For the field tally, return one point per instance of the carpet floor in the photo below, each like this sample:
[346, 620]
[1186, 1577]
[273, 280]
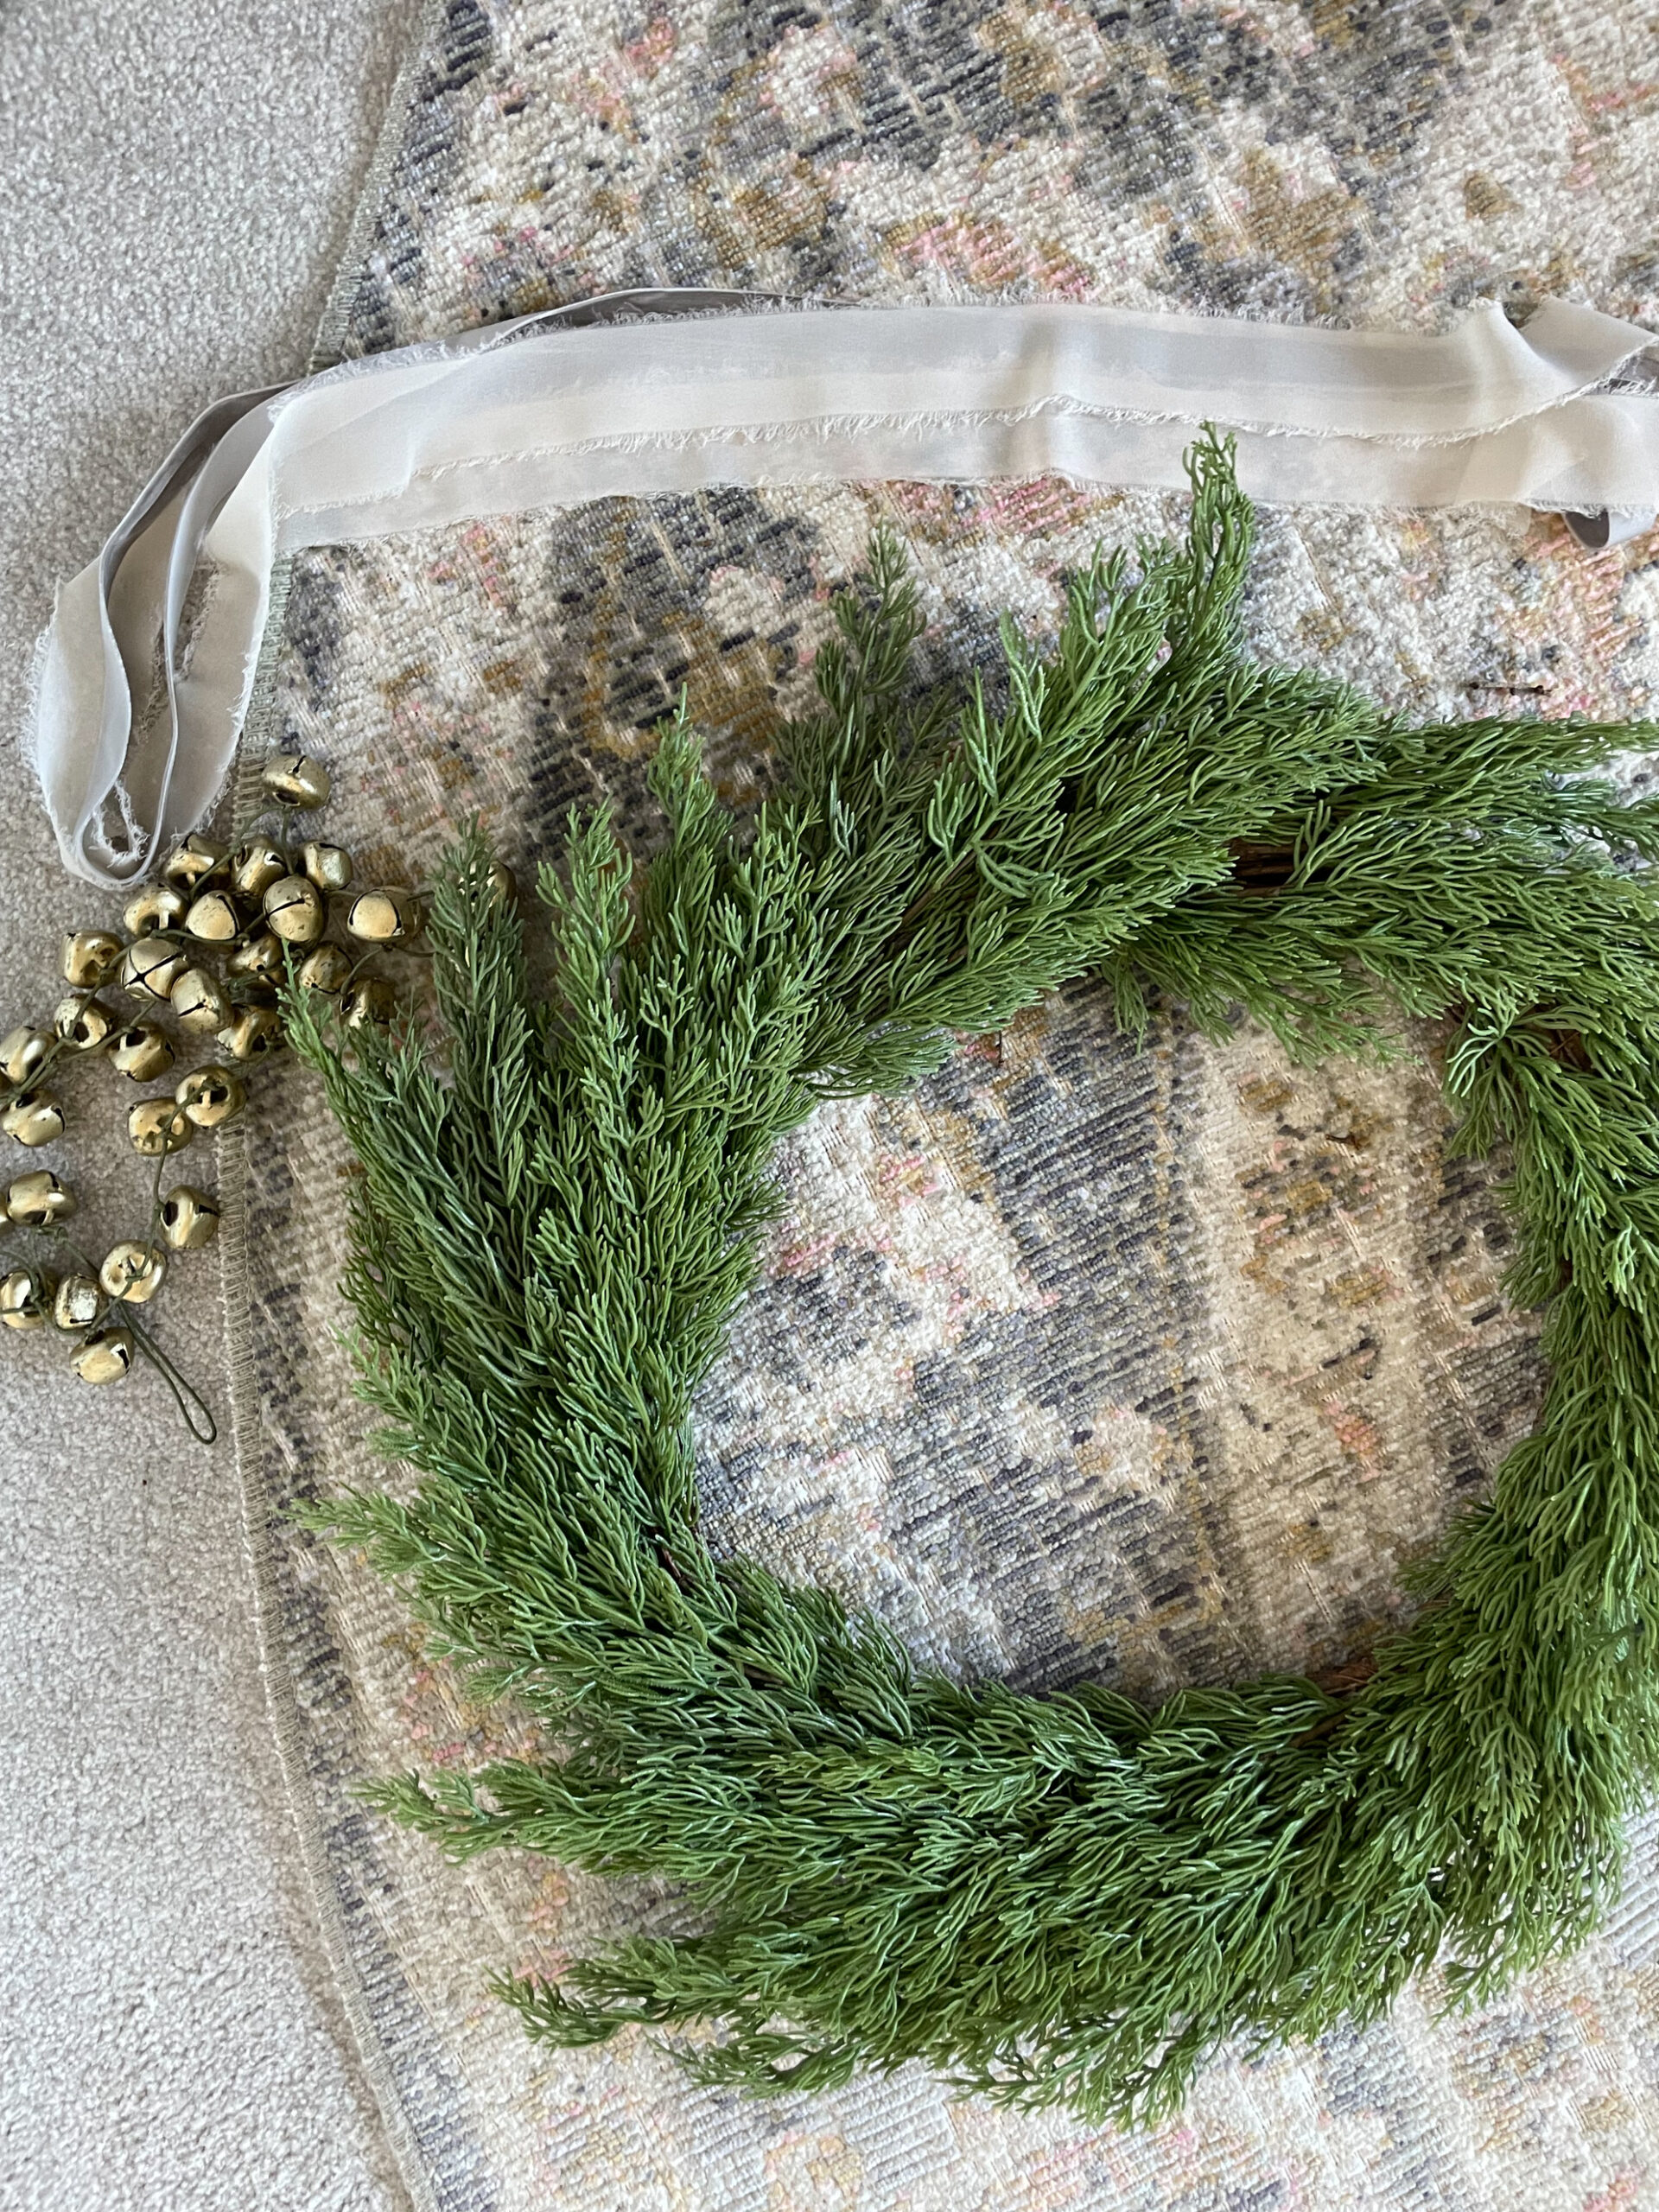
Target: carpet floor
[177, 189]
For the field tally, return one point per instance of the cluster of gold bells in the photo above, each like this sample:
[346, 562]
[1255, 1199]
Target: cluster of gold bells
[208, 944]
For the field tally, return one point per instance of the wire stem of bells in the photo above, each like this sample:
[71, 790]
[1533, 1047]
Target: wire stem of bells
[187, 1398]
[193, 1409]
[184, 1392]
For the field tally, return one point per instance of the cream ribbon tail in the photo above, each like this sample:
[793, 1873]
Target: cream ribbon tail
[145, 674]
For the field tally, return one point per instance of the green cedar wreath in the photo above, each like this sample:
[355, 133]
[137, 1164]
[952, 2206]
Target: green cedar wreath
[1045, 1897]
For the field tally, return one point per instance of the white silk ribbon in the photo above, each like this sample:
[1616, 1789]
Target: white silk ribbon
[137, 710]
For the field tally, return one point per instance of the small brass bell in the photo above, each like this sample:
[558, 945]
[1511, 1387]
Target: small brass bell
[153, 906]
[90, 957]
[106, 1356]
[142, 1051]
[293, 780]
[383, 917]
[22, 1052]
[189, 1217]
[504, 884]
[156, 1126]
[213, 919]
[212, 1096]
[259, 959]
[252, 1031]
[133, 1272]
[38, 1198]
[330, 867]
[33, 1117]
[26, 1297]
[191, 865]
[257, 866]
[151, 968]
[84, 1024]
[369, 1003]
[295, 910]
[199, 1003]
[328, 969]
[78, 1303]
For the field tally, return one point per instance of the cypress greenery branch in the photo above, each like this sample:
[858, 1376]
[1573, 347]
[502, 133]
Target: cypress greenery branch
[1063, 1898]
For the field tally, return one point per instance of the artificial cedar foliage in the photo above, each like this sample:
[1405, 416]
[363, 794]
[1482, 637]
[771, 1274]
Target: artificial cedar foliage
[1051, 1897]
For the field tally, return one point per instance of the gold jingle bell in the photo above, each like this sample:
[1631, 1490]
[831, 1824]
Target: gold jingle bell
[213, 919]
[369, 1003]
[105, 1357]
[26, 1297]
[191, 865]
[38, 1198]
[22, 1051]
[328, 969]
[259, 959]
[252, 1031]
[33, 1117]
[504, 884]
[212, 1096]
[133, 1272]
[78, 1303]
[330, 867]
[384, 916]
[83, 1024]
[153, 906]
[90, 957]
[295, 910]
[151, 968]
[189, 1217]
[199, 1003]
[293, 779]
[142, 1051]
[255, 867]
[156, 1126]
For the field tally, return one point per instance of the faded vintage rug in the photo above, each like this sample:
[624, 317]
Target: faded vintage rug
[1150, 1367]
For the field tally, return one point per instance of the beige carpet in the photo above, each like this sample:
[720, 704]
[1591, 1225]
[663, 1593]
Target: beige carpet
[177, 183]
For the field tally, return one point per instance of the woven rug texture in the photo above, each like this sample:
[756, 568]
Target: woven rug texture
[1083, 1362]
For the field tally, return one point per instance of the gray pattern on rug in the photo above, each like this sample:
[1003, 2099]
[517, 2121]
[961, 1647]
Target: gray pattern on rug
[1144, 1365]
